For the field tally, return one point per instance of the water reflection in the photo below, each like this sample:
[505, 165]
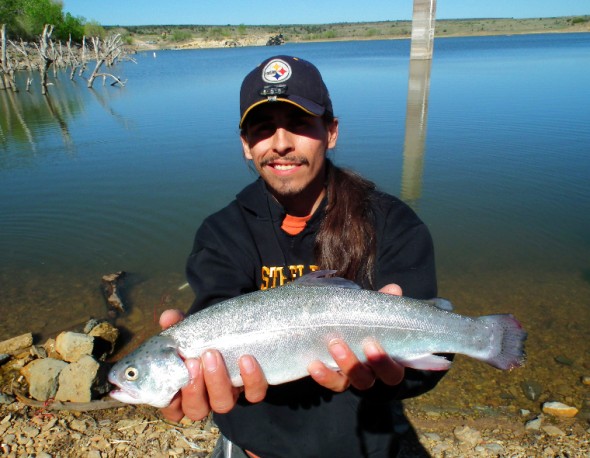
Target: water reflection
[27, 115]
[416, 117]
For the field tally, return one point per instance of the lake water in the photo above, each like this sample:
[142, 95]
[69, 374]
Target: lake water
[490, 144]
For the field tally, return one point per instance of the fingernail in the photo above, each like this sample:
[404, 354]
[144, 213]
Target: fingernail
[372, 348]
[316, 369]
[337, 349]
[194, 367]
[210, 361]
[247, 364]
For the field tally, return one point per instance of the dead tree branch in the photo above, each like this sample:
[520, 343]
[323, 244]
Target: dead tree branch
[106, 52]
[46, 55]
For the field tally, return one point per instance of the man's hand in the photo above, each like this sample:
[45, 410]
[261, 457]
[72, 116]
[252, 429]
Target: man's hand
[210, 387]
[352, 372]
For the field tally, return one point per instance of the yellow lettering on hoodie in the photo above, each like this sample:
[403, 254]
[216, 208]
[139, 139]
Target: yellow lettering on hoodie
[273, 276]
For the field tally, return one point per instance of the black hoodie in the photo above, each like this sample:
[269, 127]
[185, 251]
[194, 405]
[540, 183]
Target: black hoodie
[241, 249]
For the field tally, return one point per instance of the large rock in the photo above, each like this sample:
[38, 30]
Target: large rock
[105, 338]
[73, 346]
[16, 344]
[559, 409]
[42, 377]
[77, 379]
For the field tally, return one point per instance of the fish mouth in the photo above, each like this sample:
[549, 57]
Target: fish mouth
[124, 396]
[118, 391]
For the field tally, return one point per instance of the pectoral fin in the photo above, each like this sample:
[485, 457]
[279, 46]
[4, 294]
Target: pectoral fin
[426, 362]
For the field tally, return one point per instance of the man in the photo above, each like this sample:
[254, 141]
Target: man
[303, 214]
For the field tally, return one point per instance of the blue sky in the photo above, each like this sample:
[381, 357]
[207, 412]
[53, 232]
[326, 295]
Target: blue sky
[253, 12]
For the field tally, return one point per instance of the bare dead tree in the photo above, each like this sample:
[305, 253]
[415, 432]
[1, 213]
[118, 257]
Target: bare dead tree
[73, 61]
[22, 49]
[106, 52]
[7, 68]
[46, 55]
[59, 55]
[83, 58]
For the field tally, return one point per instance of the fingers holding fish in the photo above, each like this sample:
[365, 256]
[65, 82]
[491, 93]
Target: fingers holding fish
[392, 288]
[328, 378]
[222, 394]
[170, 317]
[194, 397]
[255, 384]
[351, 370]
[191, 401]
[383, 366]
[173, 412]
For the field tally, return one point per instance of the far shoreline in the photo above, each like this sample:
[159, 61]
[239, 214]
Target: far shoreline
[214, 44]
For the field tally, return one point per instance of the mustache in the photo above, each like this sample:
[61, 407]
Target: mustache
[294, 159]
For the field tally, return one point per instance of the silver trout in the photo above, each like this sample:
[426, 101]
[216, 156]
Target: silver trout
[288, 327]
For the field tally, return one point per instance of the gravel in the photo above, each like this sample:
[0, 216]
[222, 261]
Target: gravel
[138, 431]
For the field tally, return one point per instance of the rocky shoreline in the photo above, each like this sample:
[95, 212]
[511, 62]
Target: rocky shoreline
[51, 413]
[138, 431]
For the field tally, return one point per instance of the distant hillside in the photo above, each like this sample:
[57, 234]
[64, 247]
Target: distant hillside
[195, 36]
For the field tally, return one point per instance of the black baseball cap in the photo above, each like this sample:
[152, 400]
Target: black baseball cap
[285, 79]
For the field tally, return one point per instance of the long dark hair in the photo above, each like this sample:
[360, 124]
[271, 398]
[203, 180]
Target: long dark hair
[346, 240]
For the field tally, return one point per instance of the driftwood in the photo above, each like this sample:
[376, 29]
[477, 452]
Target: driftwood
[110, 289]
[71, 406]
[16, 344]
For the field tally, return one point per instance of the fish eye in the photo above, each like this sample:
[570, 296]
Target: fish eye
[131, 373]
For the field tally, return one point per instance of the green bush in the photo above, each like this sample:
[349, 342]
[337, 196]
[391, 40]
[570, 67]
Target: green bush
[181, 35]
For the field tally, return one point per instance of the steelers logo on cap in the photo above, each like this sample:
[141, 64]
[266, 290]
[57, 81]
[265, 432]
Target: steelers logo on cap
[276, 71]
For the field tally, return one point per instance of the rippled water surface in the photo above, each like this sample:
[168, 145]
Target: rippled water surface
[490, 144]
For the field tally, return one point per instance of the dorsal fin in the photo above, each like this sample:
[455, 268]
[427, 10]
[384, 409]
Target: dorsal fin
[323, 278]
[440, 303]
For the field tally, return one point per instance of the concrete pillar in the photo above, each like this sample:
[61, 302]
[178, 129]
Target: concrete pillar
[416, 117]
[423, 29]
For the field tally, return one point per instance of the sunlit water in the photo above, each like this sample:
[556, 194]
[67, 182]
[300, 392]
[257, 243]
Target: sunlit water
[96, 181]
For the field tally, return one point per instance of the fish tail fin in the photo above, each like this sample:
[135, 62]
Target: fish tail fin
[508, 338]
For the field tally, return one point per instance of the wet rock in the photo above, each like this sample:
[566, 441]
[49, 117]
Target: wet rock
[16, 344]
[38, 351]
[467, 436]
[559, 409]
[534, 424]
[42, 377]
[531, 389]
[49, 347]
[106, 336]
[564, 361]
[77, 379]
[73, 346]
[553, 430]
[584, 413]
[90, 325]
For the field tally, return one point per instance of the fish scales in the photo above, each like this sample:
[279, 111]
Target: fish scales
[287, 328]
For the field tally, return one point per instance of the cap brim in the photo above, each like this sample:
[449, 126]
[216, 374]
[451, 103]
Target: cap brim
[306, 105]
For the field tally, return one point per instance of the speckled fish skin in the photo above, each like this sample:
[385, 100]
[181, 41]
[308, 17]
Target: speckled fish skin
[288, 327]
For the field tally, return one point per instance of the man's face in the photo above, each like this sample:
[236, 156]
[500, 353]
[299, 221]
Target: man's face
[288, 148]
